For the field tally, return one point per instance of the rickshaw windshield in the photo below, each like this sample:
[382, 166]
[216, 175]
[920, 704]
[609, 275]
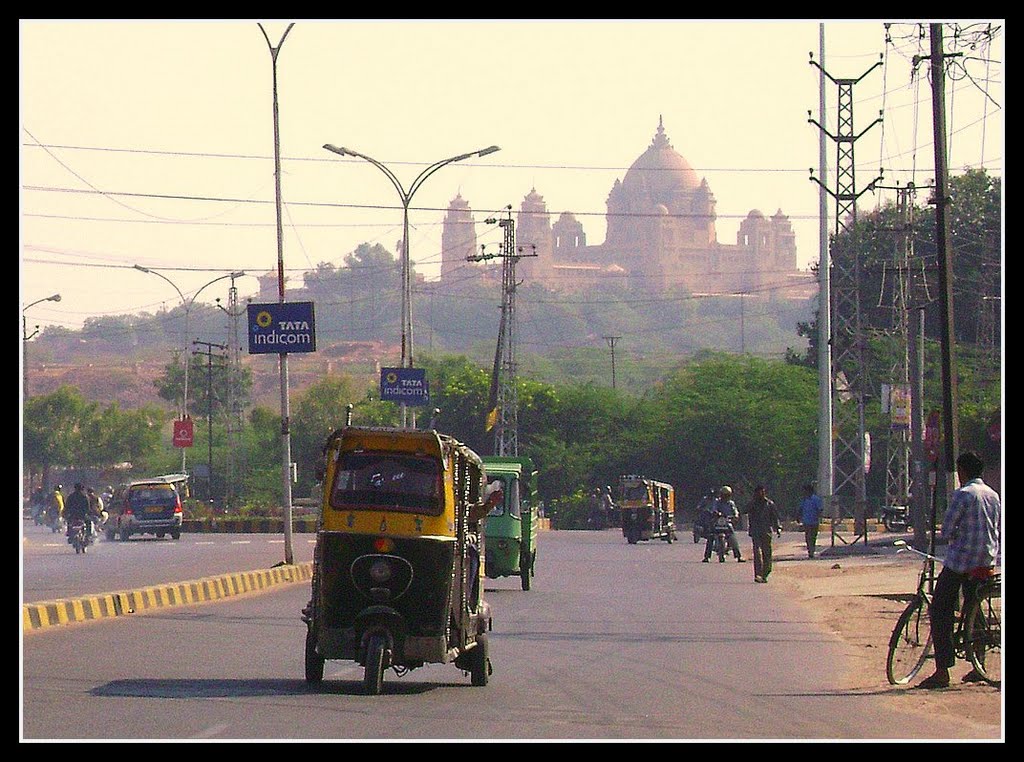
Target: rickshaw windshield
[388, 480]
[635, 491]
[510, 504]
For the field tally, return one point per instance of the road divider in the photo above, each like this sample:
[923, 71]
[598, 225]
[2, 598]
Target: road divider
[44, 614]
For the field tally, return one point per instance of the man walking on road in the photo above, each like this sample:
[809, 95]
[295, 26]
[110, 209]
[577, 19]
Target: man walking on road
[810, 517]
[763, 520]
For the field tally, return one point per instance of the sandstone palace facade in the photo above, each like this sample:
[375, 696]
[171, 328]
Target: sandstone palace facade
[660, 237]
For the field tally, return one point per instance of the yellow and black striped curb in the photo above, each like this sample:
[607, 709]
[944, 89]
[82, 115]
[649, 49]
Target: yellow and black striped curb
[42, 614]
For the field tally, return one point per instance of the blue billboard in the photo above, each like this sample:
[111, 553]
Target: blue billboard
[408, 385]
[281, 327]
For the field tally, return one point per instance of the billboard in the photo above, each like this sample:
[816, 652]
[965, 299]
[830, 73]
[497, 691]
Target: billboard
[408, 385]
[281, 327]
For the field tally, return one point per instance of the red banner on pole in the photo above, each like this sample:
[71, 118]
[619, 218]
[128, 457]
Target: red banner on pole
[183, 433]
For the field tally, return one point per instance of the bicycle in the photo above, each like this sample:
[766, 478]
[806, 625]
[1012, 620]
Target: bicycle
[977, 635]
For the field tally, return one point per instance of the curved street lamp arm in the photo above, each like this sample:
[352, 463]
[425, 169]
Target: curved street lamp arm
[390, 175]
[220, 277]
[140, 268]
[444, 162]
[54, 298]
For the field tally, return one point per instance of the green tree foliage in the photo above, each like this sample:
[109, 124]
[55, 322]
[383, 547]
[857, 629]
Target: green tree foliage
[52, 429]
[741, 421]
[208, 392]
[63, 429]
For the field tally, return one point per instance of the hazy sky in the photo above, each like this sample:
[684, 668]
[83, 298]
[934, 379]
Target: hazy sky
[151, 142]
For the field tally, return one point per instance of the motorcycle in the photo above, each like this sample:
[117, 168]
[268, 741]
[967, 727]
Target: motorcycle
[896, 518]
[79, 536]
[722, 529]
[55, 521]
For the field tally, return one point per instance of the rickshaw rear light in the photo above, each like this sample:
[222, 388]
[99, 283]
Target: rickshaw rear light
[383, 545]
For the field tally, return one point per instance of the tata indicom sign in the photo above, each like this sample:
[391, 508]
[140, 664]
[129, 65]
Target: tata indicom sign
[408, 385]
[281, 327]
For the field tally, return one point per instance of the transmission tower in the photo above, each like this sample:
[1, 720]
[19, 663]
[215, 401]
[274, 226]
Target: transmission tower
[897, 473]
[233, 424]
[848, 339]
[506, 434]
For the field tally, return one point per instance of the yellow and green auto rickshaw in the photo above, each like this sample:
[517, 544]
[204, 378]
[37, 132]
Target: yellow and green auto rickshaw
[647, 507]
[510, 529]
[396, 566]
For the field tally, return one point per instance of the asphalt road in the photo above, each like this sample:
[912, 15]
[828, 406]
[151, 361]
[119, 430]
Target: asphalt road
[613, 642]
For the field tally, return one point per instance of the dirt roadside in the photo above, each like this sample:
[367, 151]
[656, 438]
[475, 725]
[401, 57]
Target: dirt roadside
[858, 593]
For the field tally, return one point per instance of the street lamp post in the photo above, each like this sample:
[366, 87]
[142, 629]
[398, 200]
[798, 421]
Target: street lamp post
[187, 304]
[25, 337]
[406, 197]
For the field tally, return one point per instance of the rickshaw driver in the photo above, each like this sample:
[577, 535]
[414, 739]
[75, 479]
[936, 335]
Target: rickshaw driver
[494, 495]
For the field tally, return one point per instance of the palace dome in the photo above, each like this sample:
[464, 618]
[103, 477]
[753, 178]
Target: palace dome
[659, 172]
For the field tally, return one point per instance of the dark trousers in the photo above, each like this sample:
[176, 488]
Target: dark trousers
[943, 613]
[762, 555]
[811, 538]
[734, 545]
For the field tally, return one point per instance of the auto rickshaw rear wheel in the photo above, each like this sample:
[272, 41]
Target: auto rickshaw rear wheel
[373, 676]
[314, 661]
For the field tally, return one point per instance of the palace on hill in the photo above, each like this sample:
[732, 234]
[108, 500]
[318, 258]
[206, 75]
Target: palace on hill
[660, 237]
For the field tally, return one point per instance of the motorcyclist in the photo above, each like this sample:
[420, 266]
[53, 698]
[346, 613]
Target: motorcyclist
[77, 509]
[96, 508]
[55, 507]
[705, 517]
[724, 506]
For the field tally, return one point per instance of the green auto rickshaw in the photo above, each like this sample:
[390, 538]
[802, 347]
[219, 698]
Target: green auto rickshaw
[510, 529]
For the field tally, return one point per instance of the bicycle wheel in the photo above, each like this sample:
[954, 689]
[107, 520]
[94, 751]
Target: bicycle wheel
[910, 644]
[983, 633]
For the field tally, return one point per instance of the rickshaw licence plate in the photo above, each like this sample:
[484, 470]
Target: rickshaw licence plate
[154, 508]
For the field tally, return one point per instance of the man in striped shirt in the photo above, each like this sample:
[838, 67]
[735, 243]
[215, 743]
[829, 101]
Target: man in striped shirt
[972, 528]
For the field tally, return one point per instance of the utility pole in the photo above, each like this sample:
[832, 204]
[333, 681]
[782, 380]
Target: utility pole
[849, 369]
[208, 354]
[945, 257]
[506, 435]
[611, 345]
[824, 308]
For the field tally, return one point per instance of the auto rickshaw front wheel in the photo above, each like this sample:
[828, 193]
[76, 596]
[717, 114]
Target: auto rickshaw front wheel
[314, 661]
[373, 675]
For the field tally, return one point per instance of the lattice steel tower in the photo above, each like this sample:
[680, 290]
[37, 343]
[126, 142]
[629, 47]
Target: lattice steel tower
[506, 433]
[848, 339]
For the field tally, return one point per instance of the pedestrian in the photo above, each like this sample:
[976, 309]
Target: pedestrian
[811, 508]
[972, 528]
[763, 520]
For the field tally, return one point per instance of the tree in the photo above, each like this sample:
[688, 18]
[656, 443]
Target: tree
[321, 410]
[226, 380]
[52, 429]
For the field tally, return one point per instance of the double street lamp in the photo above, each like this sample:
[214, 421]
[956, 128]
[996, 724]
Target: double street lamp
[187, 304]
[406, 197]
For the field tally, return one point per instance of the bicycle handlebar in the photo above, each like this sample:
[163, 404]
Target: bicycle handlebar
[901, 546]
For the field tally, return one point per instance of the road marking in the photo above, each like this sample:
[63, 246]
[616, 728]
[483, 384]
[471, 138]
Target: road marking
[241, 542]
[214, 730]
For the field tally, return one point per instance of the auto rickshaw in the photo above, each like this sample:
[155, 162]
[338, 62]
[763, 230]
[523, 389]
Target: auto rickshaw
[510, 528]
[647, 508]
[396, 567]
